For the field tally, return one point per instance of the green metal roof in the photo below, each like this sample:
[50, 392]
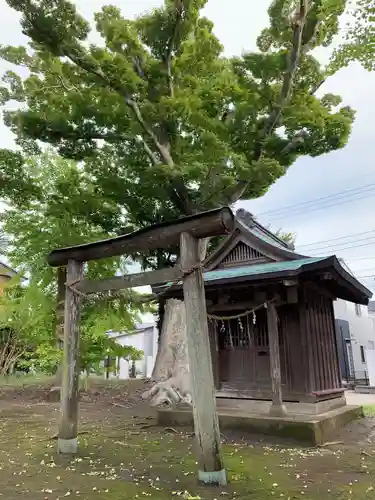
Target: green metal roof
[351, 289]
[257, 269]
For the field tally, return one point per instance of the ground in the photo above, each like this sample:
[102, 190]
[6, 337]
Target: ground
[124, 455]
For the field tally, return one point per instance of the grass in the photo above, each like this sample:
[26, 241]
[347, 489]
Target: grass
[45, 381]
[123, 455]
[134, 459]
[369, 410]
[24, 380]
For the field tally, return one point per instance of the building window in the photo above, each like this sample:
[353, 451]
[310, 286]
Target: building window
[358, 309]
[363, 359]
[371, 344]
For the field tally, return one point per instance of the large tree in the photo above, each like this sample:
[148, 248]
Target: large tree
[29, 322]
[159, 115]
[162, 123]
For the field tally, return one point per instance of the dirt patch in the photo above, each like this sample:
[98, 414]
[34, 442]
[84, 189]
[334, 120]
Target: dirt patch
[124, 455]
[121, 393]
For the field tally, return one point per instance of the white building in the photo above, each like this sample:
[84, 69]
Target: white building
[144, 338]
[356, 339]
[359, 338]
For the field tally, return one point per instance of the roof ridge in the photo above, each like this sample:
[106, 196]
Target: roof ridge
[245, 217]
[273, 235]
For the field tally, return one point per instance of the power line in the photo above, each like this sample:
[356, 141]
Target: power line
[331, 197]
[361, 258]
[339, 245]
[368, 270]
[349, 248]
[323, 207]
[336, 239]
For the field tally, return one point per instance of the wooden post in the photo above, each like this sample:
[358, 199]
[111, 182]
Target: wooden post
[60, 305]
[67, 439]
[277, 408]
[59, 318]
[206, 424]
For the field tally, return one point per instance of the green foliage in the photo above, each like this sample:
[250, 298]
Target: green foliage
[289, 238]
[46, 359]
[57, 219]
[166, 125]
[26, 316]
[64, 214]
[14, 184]
[28, 312]
[359, 40]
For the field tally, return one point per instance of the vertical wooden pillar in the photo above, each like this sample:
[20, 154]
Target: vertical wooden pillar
[212, 334]
[59, 318]
[67, 439]
[277, 408]
[206, 424]
[60, 305]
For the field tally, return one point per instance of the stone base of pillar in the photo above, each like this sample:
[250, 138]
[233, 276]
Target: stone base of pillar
[67, 446]
[277, 411]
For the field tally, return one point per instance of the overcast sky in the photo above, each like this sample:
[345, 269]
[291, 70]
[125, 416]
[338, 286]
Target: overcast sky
[237, 24]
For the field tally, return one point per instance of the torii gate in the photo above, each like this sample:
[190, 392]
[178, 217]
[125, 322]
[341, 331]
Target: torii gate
[185, 232]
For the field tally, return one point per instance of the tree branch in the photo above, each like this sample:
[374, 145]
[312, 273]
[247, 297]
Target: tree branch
[316, 87]
[78, 56]
[163, 151]
[289, 75]
[180, 193]
[286, 88]
[299, 138]
[170, 45]
[90, 68]
[138, 68]
[154, 159]
[311, 28]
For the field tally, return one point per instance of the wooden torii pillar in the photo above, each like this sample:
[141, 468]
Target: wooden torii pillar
[186, 233]
[277, 409]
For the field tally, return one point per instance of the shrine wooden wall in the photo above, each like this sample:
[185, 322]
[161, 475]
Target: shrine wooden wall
[241, 358]
[308, 355]
[317, 321]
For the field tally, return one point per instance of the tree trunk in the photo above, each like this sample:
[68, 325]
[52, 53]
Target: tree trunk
[171, 370]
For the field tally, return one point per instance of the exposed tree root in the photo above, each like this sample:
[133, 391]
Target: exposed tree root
[171, 371]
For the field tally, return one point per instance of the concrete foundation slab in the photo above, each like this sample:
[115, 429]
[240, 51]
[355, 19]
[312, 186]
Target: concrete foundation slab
[260, 407]
[365, 389]
[311, 430]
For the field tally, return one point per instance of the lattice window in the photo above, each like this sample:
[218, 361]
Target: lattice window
[241, 253]
[245, 332]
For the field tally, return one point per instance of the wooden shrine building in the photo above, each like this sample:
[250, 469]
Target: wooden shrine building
[260, 323]
[253, 267]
